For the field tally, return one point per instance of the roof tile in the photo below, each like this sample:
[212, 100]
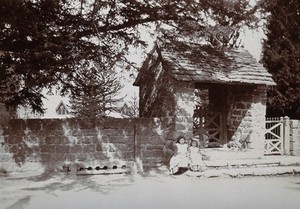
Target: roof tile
[202, 63]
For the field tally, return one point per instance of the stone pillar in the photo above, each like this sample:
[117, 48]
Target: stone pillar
[257, 111]
[246, 117]
[295, 137]
[184, 109]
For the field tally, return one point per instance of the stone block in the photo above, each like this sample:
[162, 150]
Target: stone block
[264, 171]
[152, 161]
[59, 157]
[89, 132]
[14, 148]
[76, 148]
[152, 147]
[127, 155]
[122, 139]
[124, 147]
[296, 170]
[51, 140]
[87, 140]
[99, 147]
[152, 153]
[285, 170]
[295, 124]
[34, 124]
[15, 139]
[180, 127]
[52, 124]
[113, 123]
[211, 173]
[81, 157]
[84, 124]
[100, 156]
[48, 148]
[62, 149]
[232, 172]
[15, 124]
[36, 149]
[45, 157]
[112, 132]
[88, 148]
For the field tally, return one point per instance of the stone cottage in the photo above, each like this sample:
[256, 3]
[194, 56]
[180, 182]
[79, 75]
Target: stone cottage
[216, 95]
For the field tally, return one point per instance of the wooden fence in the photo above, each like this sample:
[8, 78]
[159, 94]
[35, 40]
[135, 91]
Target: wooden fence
[277, 136]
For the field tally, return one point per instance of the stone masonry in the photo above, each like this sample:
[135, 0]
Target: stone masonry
[49, 144]
[295, 137]
[184, 109]
[246, 116]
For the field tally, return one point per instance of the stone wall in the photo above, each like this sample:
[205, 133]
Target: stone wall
[295, 137]
[246, 116]
[184, 109]
[49, 144]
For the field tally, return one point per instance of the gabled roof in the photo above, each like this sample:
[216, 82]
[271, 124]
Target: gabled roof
[61, 103]
[203, 63]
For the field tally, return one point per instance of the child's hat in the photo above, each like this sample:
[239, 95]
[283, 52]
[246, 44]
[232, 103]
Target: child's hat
[195, 139]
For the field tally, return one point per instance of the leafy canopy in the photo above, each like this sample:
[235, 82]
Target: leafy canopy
[43, 43]
[281, 56]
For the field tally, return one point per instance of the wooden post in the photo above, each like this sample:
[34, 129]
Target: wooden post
[281, 133]
[286, 135]
[137, 151]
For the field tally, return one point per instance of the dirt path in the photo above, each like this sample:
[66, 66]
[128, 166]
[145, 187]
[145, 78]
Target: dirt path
[151, 191]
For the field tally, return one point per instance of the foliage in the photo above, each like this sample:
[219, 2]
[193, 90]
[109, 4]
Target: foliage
[96, 95]
[131, 109]
[281, 56]
[5, 115]
[43, 43]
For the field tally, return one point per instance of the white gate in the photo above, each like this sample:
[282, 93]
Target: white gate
[277, 139]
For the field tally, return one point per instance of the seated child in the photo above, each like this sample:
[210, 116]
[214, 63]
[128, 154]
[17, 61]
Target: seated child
[180, 158]
[195, 157]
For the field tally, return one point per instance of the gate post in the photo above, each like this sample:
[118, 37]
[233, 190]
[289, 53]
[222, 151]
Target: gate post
[286, 135]
[137, 149]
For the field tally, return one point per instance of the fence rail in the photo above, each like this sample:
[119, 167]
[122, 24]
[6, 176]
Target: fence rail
[277, 140]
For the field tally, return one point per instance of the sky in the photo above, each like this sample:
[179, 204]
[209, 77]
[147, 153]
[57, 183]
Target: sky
[252, 41]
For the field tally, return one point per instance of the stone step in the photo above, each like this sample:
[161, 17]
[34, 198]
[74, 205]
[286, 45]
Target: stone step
[267, 162]
[242, 172]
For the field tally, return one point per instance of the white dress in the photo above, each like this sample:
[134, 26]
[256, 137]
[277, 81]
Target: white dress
[195, 158]
[180, 159]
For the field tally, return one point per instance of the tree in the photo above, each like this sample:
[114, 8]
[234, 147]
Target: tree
[97, 94]
[281, 56]
[131, 109]
[44, 42]
[5, 115]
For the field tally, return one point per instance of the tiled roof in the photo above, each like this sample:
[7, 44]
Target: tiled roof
[202, 63]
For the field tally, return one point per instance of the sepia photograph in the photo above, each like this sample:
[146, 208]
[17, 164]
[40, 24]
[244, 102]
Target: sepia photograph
[149, 104]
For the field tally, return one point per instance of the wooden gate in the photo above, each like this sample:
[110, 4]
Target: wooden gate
[277, 141]
[208, 127]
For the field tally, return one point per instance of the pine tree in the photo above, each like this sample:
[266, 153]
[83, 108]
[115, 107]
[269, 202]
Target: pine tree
[97, 95]
[281, 56]
[131, 109]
